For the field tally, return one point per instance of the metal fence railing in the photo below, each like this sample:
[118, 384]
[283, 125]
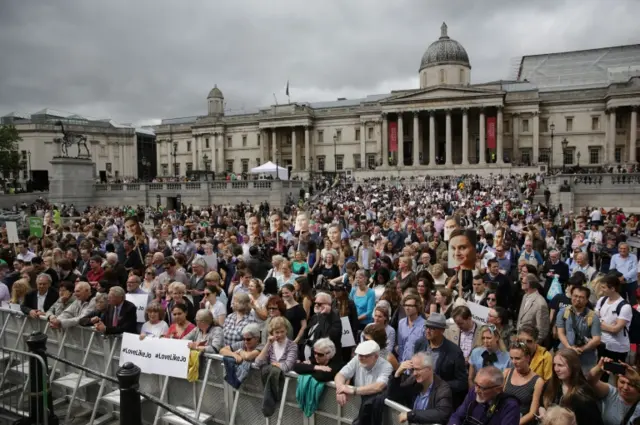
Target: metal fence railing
[85, 371]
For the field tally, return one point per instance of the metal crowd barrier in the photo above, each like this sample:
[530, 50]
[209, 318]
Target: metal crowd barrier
[209, 400]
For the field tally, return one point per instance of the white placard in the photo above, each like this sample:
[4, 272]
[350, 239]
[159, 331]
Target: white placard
[160, 356]
[12, 232]
[15, 307]
[140, 301]
[348, 339]
[479, 313]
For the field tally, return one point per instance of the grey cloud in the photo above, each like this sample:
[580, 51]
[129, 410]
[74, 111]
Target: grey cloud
[151, 59]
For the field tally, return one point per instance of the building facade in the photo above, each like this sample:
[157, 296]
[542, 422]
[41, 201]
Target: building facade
[112, 146]
[573, 108]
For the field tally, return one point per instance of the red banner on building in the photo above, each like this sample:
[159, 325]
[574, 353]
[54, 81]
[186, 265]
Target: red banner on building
[393, 136]
[491, 132]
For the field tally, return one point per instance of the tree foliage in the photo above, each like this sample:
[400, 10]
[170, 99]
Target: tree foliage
[10, 161]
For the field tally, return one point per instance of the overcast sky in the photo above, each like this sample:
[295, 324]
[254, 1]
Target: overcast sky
[139, 61]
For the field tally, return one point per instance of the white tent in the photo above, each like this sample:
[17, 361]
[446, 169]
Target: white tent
[271, 169]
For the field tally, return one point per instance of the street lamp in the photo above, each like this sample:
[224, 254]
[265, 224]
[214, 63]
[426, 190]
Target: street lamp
[206, 161]
[550, 158]
[564, 144]
[175, 159]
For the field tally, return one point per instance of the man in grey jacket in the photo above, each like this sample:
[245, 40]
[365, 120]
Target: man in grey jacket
[81, 307]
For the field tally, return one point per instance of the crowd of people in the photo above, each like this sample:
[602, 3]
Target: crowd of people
[370, 285]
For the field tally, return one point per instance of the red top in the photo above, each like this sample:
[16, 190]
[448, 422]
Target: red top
[95, 277]
[172, 332]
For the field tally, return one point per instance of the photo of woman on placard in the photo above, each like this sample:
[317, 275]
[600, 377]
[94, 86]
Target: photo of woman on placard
[462, 256]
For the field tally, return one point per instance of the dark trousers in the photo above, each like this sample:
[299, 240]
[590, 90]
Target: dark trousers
[371, 410]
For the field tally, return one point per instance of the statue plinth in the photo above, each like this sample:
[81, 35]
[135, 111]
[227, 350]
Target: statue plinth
[72, 181]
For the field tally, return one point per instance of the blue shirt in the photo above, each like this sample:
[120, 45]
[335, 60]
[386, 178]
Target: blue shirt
[422, 401]
[475, 359]
[627, 266]
[364, 304]
[407, 337]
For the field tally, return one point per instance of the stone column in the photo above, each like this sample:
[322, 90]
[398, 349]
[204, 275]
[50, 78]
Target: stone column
[499, 130]
[222, 146]
[633, 134]
[432, 138]
[196, 139]
[273, 146]
[400, 140]
[212, 153]
[536, 137]
[416, 138]
[448, 140]
[294, 150]
[515, 154]
[483, 133]
[465, 136]
[363, 145]
[121, 165]
[385, 140]
[307, 150]
[611, 148]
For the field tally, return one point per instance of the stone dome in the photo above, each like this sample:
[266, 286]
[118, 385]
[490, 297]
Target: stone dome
[444, 51]
[215, 93]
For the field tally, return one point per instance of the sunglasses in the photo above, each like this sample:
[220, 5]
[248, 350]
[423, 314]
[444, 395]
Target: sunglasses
[317, 353]
[491, 298]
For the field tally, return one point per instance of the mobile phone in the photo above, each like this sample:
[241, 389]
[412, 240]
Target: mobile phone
[615, 368]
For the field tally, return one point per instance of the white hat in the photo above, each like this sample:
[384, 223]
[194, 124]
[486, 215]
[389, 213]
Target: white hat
[367, 347]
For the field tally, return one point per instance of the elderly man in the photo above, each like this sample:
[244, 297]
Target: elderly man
[81, 307]
[118, 269]
[533, 309]
[582, 266]
[37, 302]
[133, 285]
[486, 403]
[369, 374]
[158, 263]
[426, 393]
[121, 314]
[554, 267]
[627, 264]
[325, 323]
[196, 282]
[240, 355]
[447, 357]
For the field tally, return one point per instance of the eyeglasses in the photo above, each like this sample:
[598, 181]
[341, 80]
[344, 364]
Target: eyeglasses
[319, 354]
[491, 298]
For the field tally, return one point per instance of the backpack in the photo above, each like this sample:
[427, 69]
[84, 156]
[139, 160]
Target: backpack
[589, 317]
[634, 326]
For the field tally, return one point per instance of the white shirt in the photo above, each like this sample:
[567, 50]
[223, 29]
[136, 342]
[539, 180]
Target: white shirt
[595, 215]
[27, 257]
[619, 342]
[41, 299]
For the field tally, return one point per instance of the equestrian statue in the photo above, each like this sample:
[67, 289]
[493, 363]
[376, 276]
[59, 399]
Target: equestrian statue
[70, 138]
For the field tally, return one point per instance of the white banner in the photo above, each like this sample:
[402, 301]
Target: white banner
[479, 313]
[160, 356]
[348, 340]
[140, 301]
[12, 232]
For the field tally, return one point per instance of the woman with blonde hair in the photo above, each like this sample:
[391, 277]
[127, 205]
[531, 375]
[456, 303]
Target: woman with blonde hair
[557, 415]
[489, 351]
[213, 278]
[155, 326]
[19, 290]
[177, 291]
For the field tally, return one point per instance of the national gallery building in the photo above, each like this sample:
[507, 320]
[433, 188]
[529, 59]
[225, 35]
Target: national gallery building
[572, 108]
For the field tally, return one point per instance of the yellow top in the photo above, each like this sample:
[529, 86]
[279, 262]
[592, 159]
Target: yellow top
[542, 363]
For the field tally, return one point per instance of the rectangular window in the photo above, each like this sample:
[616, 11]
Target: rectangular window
[188, 145]
[25, 171]
[526, 156]
[618, 155]
[357, 134]
[229, 141]
[244, 141]
[594, 155]
[569, 124]
[107, 166]
[189, 167]
[245, 165]
[230, 166]
[525, 126]
[24, 155]
[320, 136]
[165, 169]
[176, 169]
[339, 162]
[206, 142]
[544, 157]
[338, 135]
[544, 125]
[257, 162]
[370, 136]
[507, 126]
[371, 161]
[321, 160]
[568, 156]
[356, 160]
[595, 123]
[258, 140]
